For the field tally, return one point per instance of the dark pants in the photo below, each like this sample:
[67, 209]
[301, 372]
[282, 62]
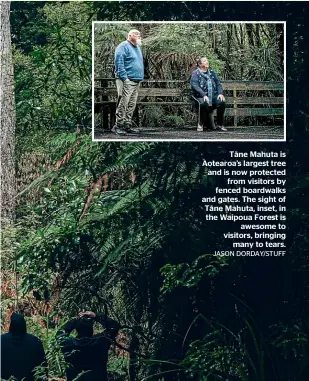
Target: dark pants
[205, 117]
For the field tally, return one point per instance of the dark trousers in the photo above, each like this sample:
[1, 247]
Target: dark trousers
[205, 117]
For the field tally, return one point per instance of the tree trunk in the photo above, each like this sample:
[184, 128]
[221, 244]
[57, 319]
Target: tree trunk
[134, 345]
[7, 118]
[249, 29]
[280, 42]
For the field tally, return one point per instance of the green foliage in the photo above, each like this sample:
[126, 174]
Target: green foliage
[154, 116]
[235, 51]
[190, 275]
[147, 233]
[136, 243]
[56, 363]
[53, 81]
[215, 358]
[118, 367]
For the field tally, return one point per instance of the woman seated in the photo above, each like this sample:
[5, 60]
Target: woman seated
[208, 96]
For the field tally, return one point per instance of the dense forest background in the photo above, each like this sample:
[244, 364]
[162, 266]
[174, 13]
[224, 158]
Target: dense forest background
[236, 51]
[120, 227]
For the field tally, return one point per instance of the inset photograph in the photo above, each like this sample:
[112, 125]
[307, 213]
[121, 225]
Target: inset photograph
[178, 81]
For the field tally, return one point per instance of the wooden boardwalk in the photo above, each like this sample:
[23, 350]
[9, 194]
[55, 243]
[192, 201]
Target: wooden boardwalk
[190, 133]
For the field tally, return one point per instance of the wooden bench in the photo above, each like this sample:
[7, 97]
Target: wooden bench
[243, 98]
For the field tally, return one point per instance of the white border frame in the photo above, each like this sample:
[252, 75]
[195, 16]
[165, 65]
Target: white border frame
[189, 140]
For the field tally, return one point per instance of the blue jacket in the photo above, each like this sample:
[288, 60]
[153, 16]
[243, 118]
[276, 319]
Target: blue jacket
[199, 84]
[129, 62]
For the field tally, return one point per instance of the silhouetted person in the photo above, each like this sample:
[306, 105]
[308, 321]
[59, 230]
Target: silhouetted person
[87, 352]
[20, 351]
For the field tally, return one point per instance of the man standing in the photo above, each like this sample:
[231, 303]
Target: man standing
[129, 72]
[208, 94]
[21, 352]
[87, 354]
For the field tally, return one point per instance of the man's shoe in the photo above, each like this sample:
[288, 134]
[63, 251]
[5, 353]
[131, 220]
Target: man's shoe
[130, 130]
[221, 128]
[118, 130]
[199, 128]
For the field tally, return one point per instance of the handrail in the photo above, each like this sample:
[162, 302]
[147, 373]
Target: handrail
[186, 81]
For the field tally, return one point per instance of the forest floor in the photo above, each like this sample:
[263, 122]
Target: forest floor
[239, 133]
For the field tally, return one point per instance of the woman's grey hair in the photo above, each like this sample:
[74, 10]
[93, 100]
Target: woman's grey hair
[199, 61]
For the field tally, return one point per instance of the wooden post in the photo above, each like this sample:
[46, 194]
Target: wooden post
[235, 106]
[101, 109]
[112, 109]
[104, 83]
[136, 115]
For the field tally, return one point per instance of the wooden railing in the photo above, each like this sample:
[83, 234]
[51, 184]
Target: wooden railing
[243, 99]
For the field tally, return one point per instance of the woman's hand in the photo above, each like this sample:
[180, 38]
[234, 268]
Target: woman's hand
[206, 99]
